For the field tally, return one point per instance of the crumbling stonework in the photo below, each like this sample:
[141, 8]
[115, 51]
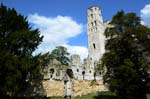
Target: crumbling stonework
[79, 87]
[53, 88]
[96, 42]
[82, 74]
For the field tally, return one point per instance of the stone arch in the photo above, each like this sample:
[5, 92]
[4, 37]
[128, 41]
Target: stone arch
[69, 72]
[52, 70]
[83, 74]
[77, 70]
[68, 83]
[90, 71]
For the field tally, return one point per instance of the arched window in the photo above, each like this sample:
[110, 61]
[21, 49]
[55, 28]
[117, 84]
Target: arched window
[95, 22]
[52, 71]
[77, 70]
[91, 15]
[70, 73]
[90, 71]
[92, 24]
[83, 73]
[51, 76]
[94, 46]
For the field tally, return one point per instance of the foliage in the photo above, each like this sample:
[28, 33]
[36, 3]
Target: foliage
[18, 68]
[127, 56]
[61, 54]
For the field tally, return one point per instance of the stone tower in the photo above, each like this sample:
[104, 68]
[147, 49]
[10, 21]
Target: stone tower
[95, 28]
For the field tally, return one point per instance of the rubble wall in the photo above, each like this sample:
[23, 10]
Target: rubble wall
[79, 87]
[53, 88]
[84, 87]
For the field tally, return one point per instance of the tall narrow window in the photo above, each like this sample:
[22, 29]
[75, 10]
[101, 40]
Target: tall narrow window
[92, 16]
[94, 46]
[95, 22]
[92, 24]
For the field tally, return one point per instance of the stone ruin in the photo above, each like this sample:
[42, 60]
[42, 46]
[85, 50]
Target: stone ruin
[76, 69]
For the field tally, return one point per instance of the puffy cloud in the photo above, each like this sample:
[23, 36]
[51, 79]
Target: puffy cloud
[57, 29]
[145, 15]
[80, 50]
[56, 32]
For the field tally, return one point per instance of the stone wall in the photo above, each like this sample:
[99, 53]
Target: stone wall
[85, 87]
[82, 87]
[53, 88]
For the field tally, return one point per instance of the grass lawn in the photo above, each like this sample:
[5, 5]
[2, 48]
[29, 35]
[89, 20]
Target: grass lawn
[148, 96]
[94, 96]
[82, 97]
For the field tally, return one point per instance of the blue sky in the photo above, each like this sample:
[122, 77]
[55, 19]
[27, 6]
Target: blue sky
[63, 22]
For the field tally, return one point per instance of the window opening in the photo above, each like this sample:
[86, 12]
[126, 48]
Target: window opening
[92, 24]
[95, 22]
[91, 15]
[90, 71]
[94, 46]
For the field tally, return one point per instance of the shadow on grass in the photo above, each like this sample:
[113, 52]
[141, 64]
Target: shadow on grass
[106, 95]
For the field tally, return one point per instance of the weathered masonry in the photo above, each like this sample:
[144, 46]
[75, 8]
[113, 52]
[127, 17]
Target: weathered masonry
[82, 71]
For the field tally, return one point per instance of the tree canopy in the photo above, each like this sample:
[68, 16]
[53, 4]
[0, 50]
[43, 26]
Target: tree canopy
[18, 67]
[127, 56]
[61, 54]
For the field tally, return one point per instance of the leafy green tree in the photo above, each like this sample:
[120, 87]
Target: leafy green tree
[18, 40]
[60, 54]
[127, 56]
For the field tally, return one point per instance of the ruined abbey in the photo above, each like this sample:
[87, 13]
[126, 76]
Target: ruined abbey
[86, 70]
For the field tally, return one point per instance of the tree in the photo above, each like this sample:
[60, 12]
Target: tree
[127, 56]
[61, 55]
[18, 67]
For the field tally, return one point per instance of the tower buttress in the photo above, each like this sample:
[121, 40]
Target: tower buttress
[95, 28]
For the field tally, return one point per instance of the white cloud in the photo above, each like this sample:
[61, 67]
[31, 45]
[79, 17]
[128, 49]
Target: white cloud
[145, 15]
[56, 32]
[80, 50]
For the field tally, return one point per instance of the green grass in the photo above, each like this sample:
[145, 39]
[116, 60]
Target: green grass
[148, 96]
[101, 95]
[90, 96]
[94, 96]
[82, 97]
